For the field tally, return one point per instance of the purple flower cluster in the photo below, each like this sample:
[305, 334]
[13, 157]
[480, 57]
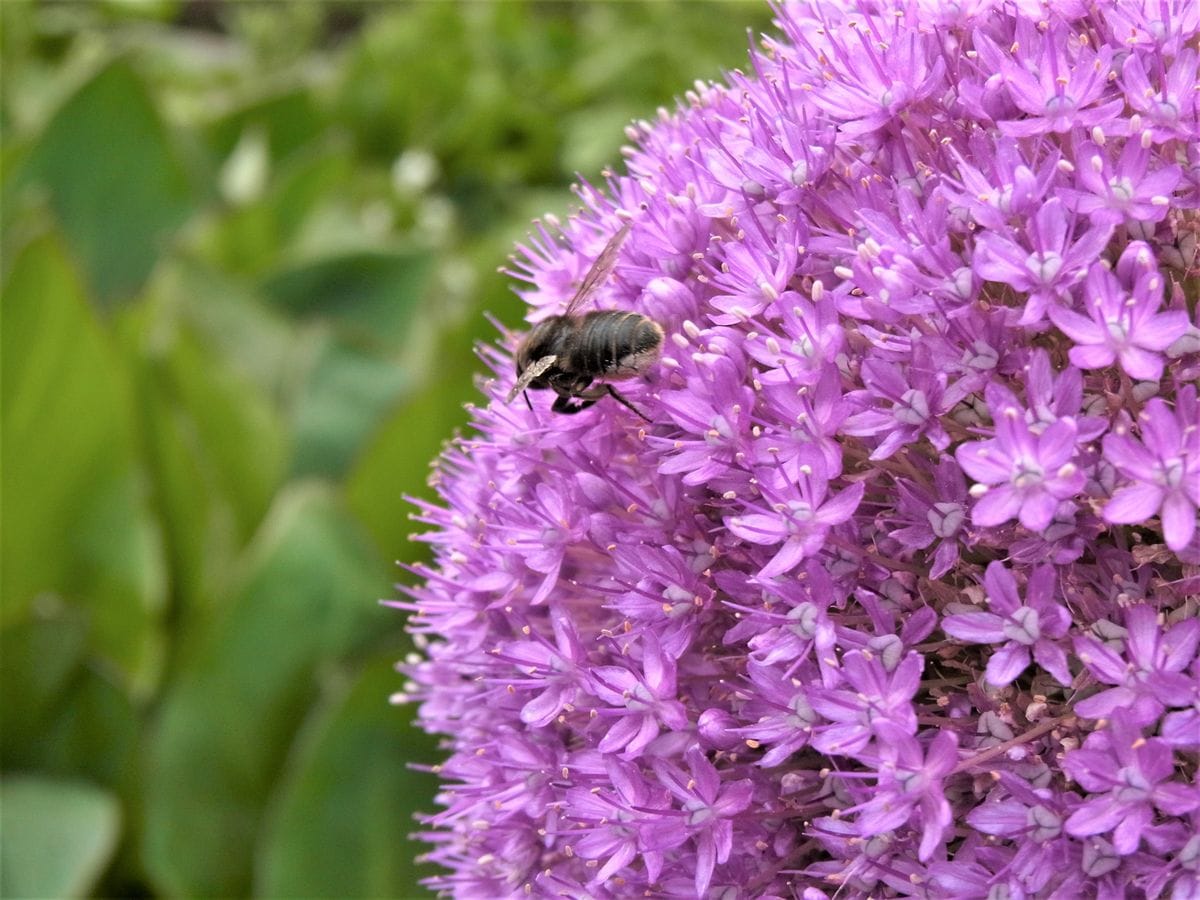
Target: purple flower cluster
[897, 594]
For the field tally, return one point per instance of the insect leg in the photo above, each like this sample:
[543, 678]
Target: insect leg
[571, 389]
[616, 396]
[565, 403]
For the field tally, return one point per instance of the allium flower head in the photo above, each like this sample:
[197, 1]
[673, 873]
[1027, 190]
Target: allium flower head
[894, 593]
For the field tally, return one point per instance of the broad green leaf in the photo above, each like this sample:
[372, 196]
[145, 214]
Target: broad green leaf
[76, 518]
[251, 238]
[371, 295]
[56, 837]
[59, 714]
[199, 524]
[38, 657]
[228, 415]
[288, 119]
[241, 240]
[594, 135]
[304, 182]
[225, 729]
[348, 392]
[339, 818]
[212, 441]
[114, 180]
[117, 544]
[93, 734]
[396, 463]
[385, 105]
[227, 317]
[63, 406]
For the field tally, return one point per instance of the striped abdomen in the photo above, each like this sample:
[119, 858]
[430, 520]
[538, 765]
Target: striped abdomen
[615, 344]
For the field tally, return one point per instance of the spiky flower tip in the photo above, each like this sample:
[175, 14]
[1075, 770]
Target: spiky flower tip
[896, 595]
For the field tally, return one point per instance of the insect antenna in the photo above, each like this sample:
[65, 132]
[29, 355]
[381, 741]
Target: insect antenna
[533, 371]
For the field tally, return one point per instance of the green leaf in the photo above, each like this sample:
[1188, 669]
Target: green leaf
[371, 295]
[250, 238]
[387, 105]
[69, 476]
[59, 714]
[227, 414]
[114, 179]
[116, 543]
[347, 394]
[226, 316]
[304, 182]
[62, 408]
[56, 837]
[213, 442]
[396, 462]
[306, 598]
[288, 119]
[38, 657]
[350, 797]
[93, 735]
[199, 525]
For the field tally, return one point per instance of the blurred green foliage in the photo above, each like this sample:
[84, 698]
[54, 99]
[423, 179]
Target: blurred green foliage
[246, 250]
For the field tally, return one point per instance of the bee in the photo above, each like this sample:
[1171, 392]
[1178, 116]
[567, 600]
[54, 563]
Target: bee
[570, 352]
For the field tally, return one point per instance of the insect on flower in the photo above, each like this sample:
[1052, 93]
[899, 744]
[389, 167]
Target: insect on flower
[569, 352]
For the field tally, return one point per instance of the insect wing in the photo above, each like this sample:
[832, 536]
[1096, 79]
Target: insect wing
[600, 270]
